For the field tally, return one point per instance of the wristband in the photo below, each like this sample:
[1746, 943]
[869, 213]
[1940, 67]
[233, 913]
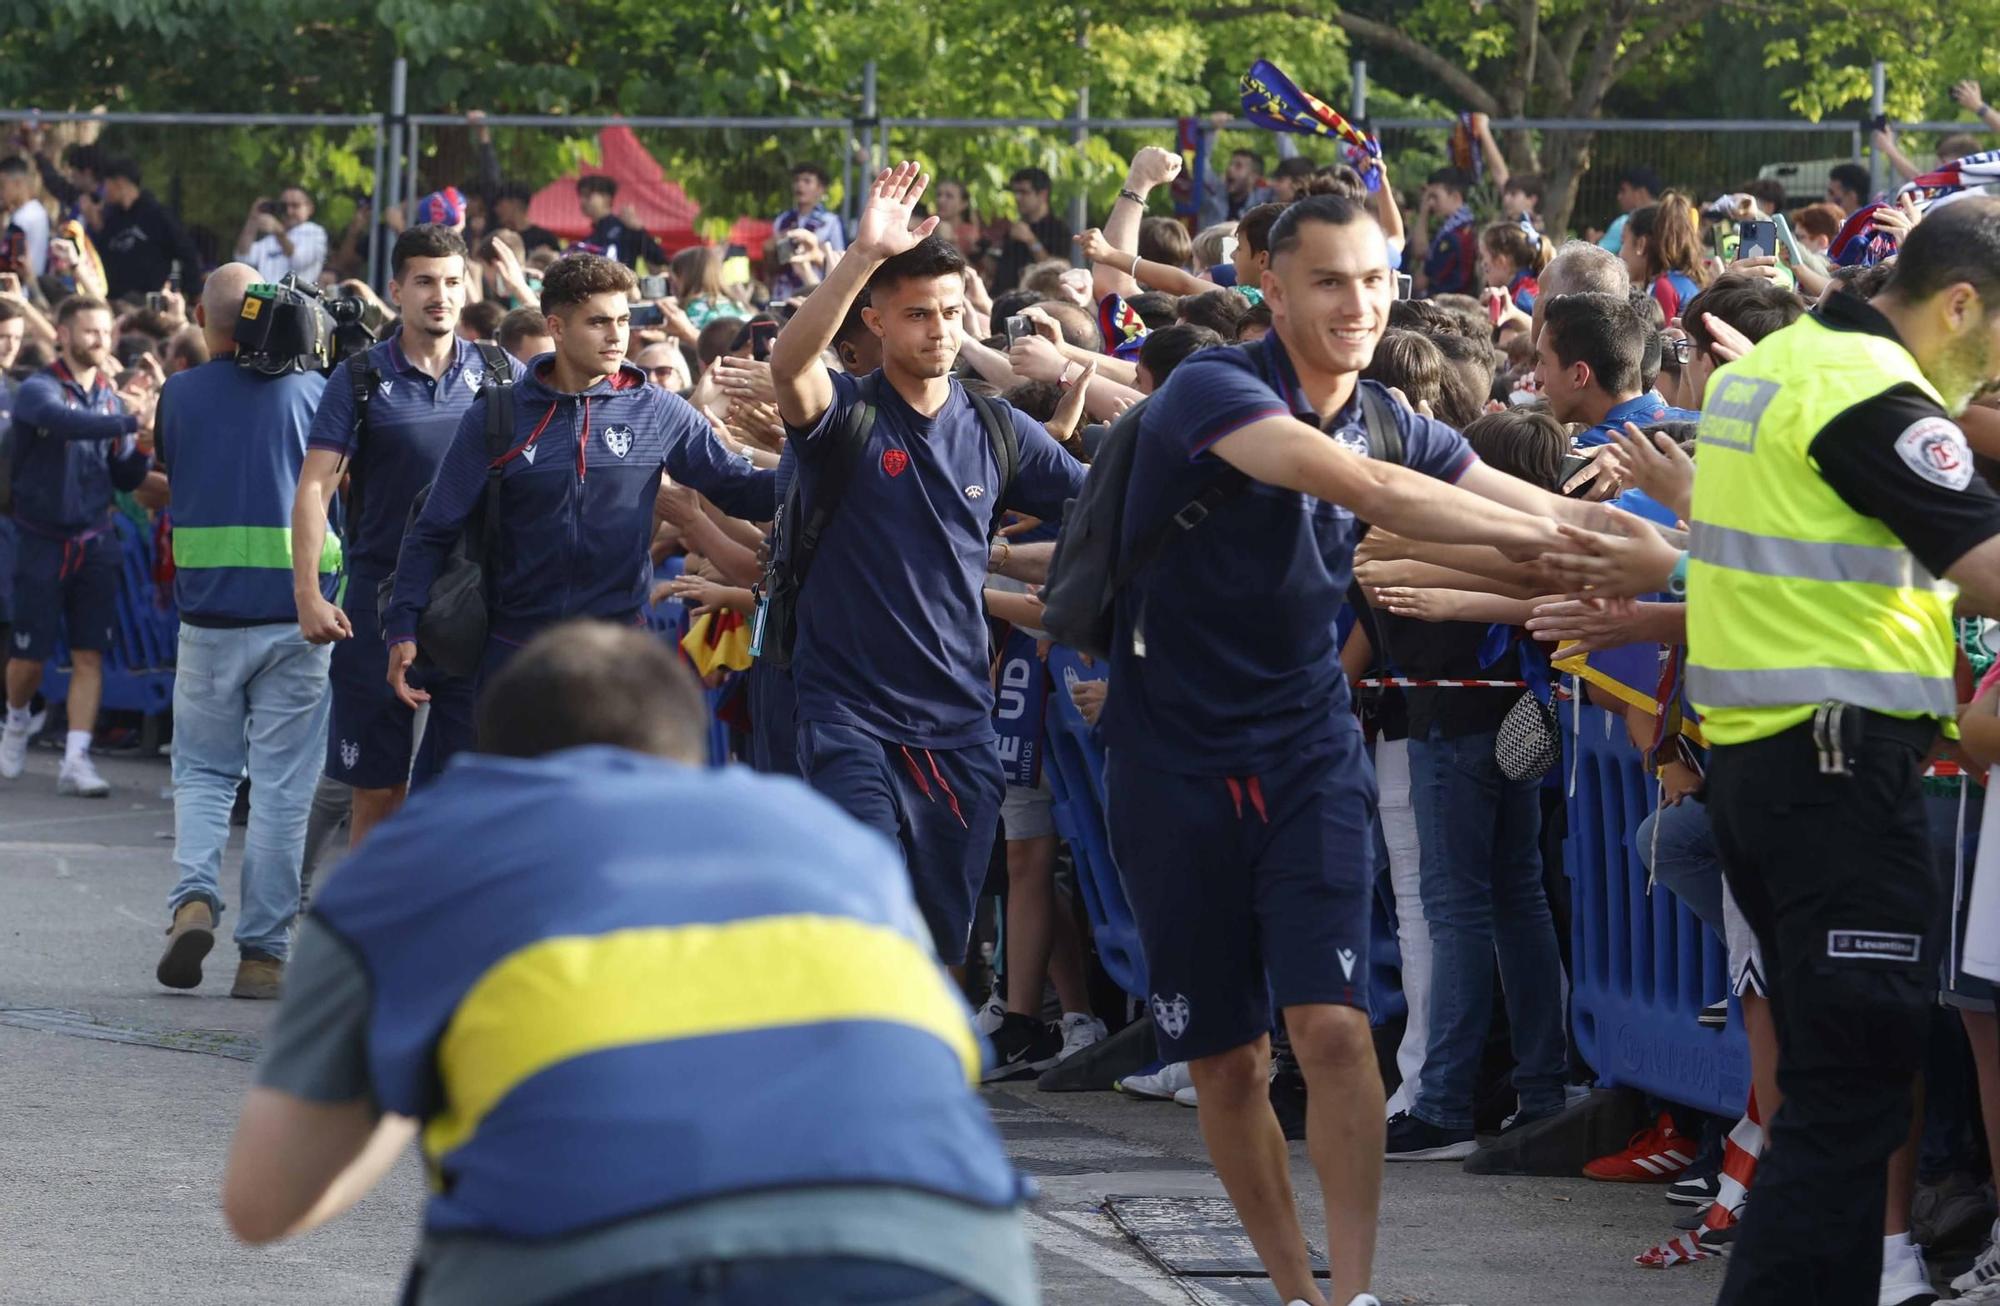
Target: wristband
[1677, 580]
[1129, 194]
[1135, 266]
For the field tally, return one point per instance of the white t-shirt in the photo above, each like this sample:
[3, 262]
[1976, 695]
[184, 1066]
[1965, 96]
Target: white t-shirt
[33, 220]
[308, 254]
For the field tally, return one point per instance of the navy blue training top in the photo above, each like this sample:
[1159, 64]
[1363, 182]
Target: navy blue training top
[66, 443]
[411, 420]
[1242, 665]
[892, 631]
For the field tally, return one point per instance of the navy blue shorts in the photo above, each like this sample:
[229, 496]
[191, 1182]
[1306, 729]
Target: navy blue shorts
[369, 730]
[774, 720]
[942, 806]
[1247, 889]
[64, 590]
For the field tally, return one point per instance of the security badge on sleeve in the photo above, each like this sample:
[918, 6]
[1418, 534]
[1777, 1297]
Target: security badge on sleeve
[1935, 449]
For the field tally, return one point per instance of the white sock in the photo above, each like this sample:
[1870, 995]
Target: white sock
[1892, 1241]
[18, 717]
[77, 746]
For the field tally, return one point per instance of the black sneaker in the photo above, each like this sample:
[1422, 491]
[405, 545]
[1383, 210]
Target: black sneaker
[1694, 1190]
[1023, 1047]
[1288, 1101]
[1411, 1139]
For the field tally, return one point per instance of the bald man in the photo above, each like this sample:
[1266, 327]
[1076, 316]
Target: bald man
[232, 442]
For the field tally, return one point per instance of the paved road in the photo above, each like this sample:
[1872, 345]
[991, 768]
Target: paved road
[111, 1151]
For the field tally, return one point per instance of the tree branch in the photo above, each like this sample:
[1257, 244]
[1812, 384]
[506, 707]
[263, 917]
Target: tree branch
[1461, 82]
[1671, 26]
[1596, 80]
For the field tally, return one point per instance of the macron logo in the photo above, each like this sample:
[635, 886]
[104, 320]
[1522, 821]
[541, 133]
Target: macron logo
[528, 454]
[1346, 956]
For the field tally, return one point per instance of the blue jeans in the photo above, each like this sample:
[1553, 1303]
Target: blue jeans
[1480, 838]
[251, 698]
[1677, 845]
[822, 1280]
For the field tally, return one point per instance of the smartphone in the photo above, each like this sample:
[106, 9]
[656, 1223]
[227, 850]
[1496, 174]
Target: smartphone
[654, 288]
[762, 336]
[1789, 243]
[1756, 239]
[1405, 284]
[1571, 465]
[156, 302]
[647, 315]
[1018, 327]
[10, 283]
[781, 249]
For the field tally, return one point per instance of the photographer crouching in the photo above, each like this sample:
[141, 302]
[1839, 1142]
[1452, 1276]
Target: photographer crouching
[250, 693]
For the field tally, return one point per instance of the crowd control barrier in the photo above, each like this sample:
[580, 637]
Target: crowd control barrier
[1643, 965]
[669, 620]
[139, 665]
[1074, 761]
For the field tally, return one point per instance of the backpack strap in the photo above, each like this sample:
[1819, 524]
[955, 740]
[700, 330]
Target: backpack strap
[1227, 484]
[497, 389]
[362, 377]
[1006, 442]
[850, 443]
[1385, 433]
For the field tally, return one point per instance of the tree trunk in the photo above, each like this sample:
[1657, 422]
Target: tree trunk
[1565, 158]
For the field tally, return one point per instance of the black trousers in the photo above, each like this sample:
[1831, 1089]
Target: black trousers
[1835, 875]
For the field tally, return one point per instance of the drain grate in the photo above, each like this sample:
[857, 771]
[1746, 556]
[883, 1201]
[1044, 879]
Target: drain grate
[1194, 1237]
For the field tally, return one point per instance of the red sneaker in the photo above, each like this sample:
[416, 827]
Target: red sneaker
[1654, 1156]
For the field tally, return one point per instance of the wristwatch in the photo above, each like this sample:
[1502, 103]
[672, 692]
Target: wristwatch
[1677, 580]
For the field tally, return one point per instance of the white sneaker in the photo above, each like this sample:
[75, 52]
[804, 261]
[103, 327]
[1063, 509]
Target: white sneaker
[1982, 1281]
[1365, 1299]
[79, 778]
[1905, 1278]
[13, 751]
[988, 1019]
[1079, 1031]
[1160, 1085]
[1188, 1097]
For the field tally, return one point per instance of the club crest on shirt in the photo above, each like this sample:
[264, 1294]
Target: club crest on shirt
[894, 461]
[472, 379]
[350, 753]
[618, 439]
[1353, 441]
[1171, 1014]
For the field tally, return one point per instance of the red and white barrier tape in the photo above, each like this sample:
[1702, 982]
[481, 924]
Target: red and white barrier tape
[1404, 682]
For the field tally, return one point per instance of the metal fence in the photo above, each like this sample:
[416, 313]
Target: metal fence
[209, 168]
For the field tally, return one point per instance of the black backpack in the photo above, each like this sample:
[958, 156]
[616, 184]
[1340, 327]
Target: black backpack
[795, 542]
[451, 627]
[1089, 568]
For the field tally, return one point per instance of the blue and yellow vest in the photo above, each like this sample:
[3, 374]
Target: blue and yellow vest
[610, 985]
[233, 443]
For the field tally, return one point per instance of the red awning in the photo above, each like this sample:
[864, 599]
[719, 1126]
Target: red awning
[664, 209]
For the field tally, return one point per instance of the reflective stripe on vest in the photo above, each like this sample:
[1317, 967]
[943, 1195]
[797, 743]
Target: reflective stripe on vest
[1795, 598]
[259, 547]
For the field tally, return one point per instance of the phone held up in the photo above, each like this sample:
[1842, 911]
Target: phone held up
[1571, 465]
[654, 287]
[762, 336]
[1405, 283]
[1018, 327]
[1756, 239]
[648, 315]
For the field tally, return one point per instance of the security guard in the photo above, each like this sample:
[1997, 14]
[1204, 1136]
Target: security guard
[1833, 490]
[673, 1034]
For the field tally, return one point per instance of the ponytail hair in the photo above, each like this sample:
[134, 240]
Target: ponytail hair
[1672, 232]
[1529, 249]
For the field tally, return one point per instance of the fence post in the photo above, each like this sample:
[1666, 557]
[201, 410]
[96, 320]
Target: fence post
[1359, 102]
[870, 116]
[1877, 106]
[388, 179]
[411, 191]
[1079, 208]
[375, 203]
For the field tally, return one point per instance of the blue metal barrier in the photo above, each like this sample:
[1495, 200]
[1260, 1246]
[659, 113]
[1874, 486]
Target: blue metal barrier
[669, 620]
[1074, 760]
[139, 665]
[1643, 965]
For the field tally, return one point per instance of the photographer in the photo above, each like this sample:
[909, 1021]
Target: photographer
[809, 215]
[279, 238]
[73, 443]
[421, 381]
[250, 690]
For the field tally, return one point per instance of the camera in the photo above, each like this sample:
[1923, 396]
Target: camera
[289, 326]
[276, 208]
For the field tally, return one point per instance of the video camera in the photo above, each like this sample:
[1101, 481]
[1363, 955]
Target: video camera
[290, 327]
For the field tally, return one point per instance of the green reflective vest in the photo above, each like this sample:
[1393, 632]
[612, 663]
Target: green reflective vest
[1794, 598]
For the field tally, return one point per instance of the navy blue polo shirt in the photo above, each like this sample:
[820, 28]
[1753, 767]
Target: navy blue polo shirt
[1242, 666]
[411, 421]
[892, 633]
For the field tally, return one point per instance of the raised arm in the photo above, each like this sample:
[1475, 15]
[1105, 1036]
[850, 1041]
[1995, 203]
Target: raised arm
[798, 369]
[40, 405]
[1151, 166]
